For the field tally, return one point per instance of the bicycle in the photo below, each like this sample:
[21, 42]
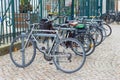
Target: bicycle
[105, 28]
[93, 30]
[108, 17]
[102, 28]
[79, 31]
[67, 54]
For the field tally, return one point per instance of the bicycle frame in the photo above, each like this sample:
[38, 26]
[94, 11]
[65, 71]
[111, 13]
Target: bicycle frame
[40, 33]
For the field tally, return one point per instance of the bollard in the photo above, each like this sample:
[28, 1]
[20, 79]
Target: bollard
[23, 48]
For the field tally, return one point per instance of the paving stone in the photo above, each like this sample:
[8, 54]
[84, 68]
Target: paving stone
[103, 64]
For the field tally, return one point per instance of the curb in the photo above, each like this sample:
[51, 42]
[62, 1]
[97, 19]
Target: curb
[4, 49]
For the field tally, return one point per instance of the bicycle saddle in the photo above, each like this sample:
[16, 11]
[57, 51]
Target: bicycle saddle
[73, 23]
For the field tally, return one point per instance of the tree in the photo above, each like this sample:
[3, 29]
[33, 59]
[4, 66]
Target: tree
[25, 6]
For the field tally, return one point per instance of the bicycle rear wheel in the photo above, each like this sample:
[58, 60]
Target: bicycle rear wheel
[22, 57]
[69, 55]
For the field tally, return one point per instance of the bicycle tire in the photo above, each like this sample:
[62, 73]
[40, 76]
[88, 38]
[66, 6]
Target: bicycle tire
[97, 35]
[103, 32]
[71, 61]
[107, 29]
[24, 59]
[110, 19]
[117, 19]
[88, 43]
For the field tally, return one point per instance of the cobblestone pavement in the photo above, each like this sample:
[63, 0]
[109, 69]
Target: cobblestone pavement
[103, 64]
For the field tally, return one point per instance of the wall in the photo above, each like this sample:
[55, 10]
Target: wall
[119, 5]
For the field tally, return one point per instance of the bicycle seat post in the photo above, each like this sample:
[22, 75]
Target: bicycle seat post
[28, 20]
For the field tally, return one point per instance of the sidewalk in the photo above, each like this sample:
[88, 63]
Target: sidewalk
[103, 64]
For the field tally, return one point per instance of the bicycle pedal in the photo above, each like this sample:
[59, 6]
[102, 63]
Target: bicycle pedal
[69, 60]
[51, 63]
[43, 48]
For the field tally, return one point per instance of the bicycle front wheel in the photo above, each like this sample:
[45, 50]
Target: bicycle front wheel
[88, 43]
[97, 35]
[22, 52]
[107, 29]
[69, 55]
